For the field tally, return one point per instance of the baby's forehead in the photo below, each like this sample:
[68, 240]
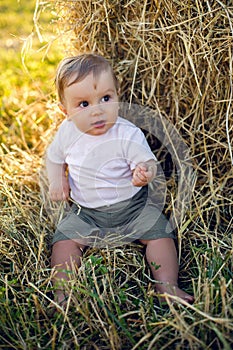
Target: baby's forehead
[96, 77]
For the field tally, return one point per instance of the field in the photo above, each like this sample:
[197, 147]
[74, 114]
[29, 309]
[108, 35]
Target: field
[112, 304]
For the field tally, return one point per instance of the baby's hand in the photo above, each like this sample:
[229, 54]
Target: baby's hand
[59, 191]
[143, 174]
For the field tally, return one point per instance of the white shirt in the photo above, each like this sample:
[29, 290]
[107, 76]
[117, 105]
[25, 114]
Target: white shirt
[100, 167]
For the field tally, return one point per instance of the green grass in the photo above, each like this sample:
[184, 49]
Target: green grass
[11, 14]
[27, 73]
[112, 301]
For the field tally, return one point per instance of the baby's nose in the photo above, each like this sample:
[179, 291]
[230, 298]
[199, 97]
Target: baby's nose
[96, 110]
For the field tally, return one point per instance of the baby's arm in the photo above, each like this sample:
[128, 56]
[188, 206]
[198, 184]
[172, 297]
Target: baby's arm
[144, 173]
[58, 182]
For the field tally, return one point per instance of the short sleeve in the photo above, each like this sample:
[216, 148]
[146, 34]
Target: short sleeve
[56, 150]
[137, 148]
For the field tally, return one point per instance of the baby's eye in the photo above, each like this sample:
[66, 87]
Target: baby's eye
[106, 98]
[84, 104]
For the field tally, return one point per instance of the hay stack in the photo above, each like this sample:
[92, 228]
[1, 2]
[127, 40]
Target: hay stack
[176, 57]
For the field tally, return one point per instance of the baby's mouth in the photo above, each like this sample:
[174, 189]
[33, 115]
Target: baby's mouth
[99, 124]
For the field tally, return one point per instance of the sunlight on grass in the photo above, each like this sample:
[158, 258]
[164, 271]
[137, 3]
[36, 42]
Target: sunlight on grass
[26, 83]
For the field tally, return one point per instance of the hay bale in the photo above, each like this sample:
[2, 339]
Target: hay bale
[175, 57]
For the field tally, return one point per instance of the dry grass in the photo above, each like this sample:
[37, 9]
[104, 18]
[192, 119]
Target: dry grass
[175, 57]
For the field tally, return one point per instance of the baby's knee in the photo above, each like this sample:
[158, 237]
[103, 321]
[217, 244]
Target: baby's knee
[144, 241]
[69, 244]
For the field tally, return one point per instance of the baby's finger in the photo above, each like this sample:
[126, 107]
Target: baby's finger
[148, 174]
[138, 182]
[142, 167]
[140, 175]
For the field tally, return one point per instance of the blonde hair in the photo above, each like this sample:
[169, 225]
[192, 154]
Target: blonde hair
[74, 69]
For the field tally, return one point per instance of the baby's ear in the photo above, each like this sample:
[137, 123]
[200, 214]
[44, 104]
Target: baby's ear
[63, 109]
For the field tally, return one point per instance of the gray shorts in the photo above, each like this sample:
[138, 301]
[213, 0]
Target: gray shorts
[117, 224]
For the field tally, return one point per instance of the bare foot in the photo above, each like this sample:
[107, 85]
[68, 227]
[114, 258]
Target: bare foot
[173, 290]
[59, 305]
[61, 299]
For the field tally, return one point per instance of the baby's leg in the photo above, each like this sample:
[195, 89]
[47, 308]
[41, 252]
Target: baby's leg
[66, 256]
[162, 258]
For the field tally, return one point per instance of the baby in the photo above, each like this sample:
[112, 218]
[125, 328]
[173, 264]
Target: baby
[102, 162]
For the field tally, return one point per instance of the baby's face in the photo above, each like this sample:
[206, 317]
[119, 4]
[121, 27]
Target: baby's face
[92, 103]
